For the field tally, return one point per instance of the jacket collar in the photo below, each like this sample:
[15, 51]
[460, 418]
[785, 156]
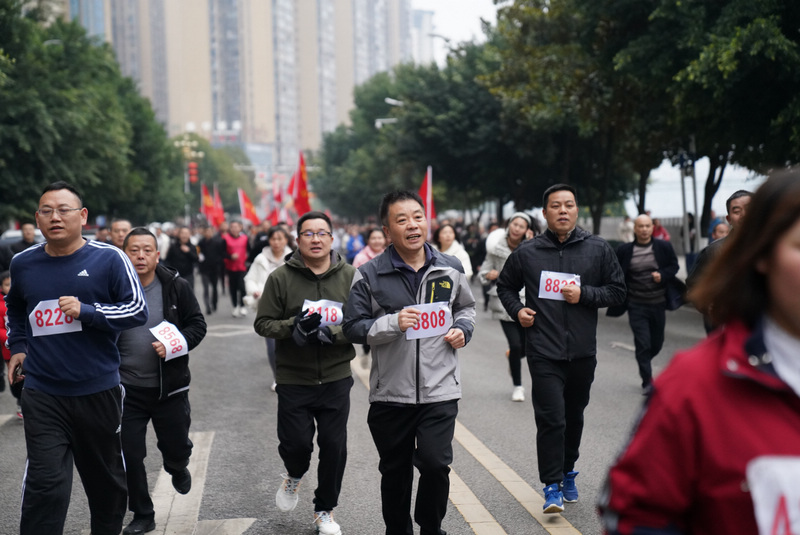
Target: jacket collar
[744, 355]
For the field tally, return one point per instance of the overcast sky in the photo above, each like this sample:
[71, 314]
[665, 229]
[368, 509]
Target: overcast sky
[458, 20]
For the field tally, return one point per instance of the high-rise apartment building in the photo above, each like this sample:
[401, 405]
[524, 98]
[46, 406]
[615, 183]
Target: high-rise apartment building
[273, 75]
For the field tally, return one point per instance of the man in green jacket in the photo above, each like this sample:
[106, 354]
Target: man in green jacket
[301, 307]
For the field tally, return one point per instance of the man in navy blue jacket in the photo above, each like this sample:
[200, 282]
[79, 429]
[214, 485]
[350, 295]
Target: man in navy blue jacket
[69, 301]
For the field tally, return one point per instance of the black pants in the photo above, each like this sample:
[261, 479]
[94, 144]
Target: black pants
[299, 407]
[60, 430]
[171, 420]
[515, 334]
[418, 436]
[209, 291]
[647, 323]
[236, 286]
[560, 393]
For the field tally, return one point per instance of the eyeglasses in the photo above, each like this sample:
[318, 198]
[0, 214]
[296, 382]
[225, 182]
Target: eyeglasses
[63, 212]
[310, 235]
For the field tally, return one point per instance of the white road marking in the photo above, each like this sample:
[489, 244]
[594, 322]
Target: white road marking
[5, 417]
[629, 347]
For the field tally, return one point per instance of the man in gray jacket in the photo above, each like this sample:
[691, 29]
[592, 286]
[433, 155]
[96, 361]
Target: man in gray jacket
[413, 306]
[568, 274]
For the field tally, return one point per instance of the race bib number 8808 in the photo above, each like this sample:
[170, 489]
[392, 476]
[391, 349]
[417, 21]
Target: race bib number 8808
[435, 319]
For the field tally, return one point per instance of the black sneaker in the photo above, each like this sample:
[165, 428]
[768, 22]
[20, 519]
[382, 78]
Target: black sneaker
[140, 525]
[182, 481]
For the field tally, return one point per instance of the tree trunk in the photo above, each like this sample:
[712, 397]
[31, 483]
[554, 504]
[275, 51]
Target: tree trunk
[644, 176]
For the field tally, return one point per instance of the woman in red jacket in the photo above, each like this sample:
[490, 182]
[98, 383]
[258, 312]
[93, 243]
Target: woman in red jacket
[717, 448]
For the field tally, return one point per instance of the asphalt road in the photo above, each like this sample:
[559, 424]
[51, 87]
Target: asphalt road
[237, 469]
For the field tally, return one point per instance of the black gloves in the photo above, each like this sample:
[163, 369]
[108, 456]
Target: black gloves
[325, 336]
[306, 327]
[307, 330]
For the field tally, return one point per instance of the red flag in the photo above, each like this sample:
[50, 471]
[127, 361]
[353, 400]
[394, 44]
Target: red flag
[273, 216]
[426, 192]
[277, 198]
[219, 211]
[206, 204]
[300, 191]
[246, 207]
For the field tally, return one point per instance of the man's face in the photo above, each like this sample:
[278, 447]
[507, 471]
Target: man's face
[643, 228]
[236, 229]
[737, 211]
[101, 234]
[119, 229]
[561, 212]
[407, 227]
[28, 232]
[143, 252]
[315, 247]
[720, 231]
[59, 228]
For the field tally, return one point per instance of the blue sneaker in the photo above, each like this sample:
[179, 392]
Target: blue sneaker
[568, 488]
[553, 499]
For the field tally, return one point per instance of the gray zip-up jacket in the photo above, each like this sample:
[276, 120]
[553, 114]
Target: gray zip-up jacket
[408, 371]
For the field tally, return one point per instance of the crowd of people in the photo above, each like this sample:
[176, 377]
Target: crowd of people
[127, 302]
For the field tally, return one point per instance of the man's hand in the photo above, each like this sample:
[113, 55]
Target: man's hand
[407, 318]
[13, 364]
[305, 327]
[160, 349]
[492, 275]
[456, 339]
[656, 276]
[70, 306]
[572, 293]
[526, 316]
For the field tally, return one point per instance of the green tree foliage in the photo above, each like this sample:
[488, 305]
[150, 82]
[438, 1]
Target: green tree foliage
[66, 113]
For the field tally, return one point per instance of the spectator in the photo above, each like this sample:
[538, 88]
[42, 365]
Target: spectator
[119, 229]
[28, 239]
[660, 232]
[446, 241]
[236, 251]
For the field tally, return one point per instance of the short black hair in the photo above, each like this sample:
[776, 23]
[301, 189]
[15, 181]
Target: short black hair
[313, 215]
[557, 187]
[274, 230]
[394, 197]
[4, 275]
[736, 195]
[139, 231]
[55, 186]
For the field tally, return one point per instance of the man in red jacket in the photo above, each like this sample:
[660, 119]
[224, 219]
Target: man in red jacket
[237, 248]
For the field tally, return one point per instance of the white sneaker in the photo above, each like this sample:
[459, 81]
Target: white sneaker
[274, 386]
[235, 312]
[243, 311]
[323, 521]
[518, 394]
[286, 498]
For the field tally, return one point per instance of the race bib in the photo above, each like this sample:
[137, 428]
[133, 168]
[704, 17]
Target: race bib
[775, 489]
[331, 311]
[551, 282]
[47, 319]
[435, 319]
[171, 337]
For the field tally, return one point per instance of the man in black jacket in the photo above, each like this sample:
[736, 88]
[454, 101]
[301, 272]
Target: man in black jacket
[568, 274]
[154, 369]
[649, 266]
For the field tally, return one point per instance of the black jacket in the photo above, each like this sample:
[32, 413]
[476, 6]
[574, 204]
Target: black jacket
[667, 265]
[182, 310]
[562, 331]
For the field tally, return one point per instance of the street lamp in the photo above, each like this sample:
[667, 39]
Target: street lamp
[188, 148]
